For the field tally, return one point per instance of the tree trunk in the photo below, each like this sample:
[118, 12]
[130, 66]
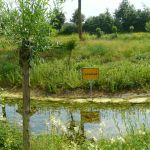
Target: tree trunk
[26, 106]
[80, 20]
[24, 58]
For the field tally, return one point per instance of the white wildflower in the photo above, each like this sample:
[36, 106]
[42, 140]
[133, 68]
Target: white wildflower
[102, 125]
[64, 129]
[94, 139]
[76, 129]
[112, 140]
[100, 130]
[121, 139]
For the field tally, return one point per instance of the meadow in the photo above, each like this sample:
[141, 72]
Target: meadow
[124, 64]
[10, 139]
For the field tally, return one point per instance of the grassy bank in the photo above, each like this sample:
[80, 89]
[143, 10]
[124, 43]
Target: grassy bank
[123, 63]
[11, 139]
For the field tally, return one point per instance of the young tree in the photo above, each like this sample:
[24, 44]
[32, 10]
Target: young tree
[27, 24]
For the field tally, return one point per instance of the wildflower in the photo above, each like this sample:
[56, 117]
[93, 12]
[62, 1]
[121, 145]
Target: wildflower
[100, 130]
[91, 145]
[94, 139]
[121, 139]
[89, 133]
[76, 129]
[142, 132]
[102, 125]
[112, 140]
[64, 129]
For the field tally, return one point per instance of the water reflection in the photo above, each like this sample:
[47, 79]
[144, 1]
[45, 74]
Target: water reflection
[86, 122]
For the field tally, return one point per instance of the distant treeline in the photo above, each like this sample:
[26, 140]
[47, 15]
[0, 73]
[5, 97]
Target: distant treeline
[126, 18]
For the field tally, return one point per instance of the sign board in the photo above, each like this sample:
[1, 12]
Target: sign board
[90, 73]
[90, 117]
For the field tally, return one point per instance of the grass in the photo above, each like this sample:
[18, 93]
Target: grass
[123, 63]
[11, 139]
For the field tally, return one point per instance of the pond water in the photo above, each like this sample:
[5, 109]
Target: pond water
[91, 120]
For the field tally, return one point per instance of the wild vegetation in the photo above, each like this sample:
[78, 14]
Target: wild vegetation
[123, 59]
[123, 63]
[10, 139]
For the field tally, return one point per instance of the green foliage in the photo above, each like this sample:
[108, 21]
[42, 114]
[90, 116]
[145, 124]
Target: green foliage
[123, 66]
[57, 17]
[75, 18]
[131, 29]
[147, 26]
[70, 45]
[104, 21]
[69, 28]
[30, 23]
[10, 138]
[99, 32]
[114, 29]
[126, 15]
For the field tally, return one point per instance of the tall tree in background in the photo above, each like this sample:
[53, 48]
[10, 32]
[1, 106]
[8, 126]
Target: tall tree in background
[57, 17]
[104, 21]
[75, 17]
[125, 15]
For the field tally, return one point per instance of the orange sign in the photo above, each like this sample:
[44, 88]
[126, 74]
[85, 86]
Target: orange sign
[90, 73]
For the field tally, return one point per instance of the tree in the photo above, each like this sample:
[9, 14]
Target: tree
[104, 21]
[57, 17]
[125, 15]
[75, 17]
[78, 18]
[30, 29]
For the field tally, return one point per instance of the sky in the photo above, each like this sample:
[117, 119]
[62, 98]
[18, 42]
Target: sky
[95, 7]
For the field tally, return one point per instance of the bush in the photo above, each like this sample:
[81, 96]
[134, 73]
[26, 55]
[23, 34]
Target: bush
[115, 30]
[131, 29]
[147, 26]
[10, 138]
[99, 32]
[69, 28]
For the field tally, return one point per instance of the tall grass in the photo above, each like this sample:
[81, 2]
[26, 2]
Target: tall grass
[123, 63]
[11, 139]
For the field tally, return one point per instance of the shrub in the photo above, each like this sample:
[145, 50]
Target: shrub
[131, 29]
[69, 28]
[99, 32]
[147, 26]
[115, 30]
[10, 138]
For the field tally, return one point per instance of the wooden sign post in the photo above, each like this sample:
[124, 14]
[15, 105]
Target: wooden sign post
[90, 74]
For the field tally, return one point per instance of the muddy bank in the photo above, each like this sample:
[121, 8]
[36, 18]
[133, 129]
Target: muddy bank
[128, 97]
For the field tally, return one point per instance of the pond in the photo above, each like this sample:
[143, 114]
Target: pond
[91, 120]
